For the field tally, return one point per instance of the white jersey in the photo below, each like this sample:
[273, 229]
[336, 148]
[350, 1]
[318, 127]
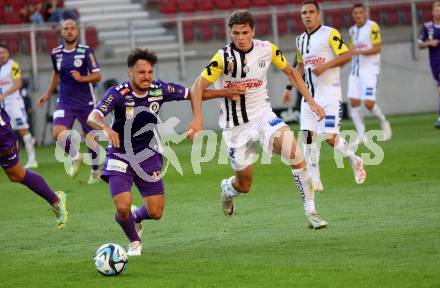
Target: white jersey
[363, 38]
[8, 73]
[231, 66]
[321, 46]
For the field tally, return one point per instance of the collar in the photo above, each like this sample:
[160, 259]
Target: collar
[313, 32]
[238, 50]
[71, 50]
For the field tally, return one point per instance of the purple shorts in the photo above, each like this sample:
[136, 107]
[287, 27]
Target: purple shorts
[8, 147]
[121, 175]
[65, 116]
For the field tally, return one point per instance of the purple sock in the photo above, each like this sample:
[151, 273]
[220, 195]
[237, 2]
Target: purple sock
[95, 159]
[36, 183]
[141, 214]
[128, 227]
[66, 143]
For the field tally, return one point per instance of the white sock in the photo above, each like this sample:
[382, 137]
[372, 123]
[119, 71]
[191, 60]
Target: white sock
[346, 150]
[311, 155]
[358, 120]
[29, 145]
[230, 190]
[378, 113]
[303, 182]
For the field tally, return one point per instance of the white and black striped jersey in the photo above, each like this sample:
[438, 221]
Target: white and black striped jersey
[321, 46]
[231, 66]
[363, 38]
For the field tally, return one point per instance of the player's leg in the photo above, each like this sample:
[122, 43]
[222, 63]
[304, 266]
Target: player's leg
[437, 125]
[311, 148]
[376, 111]
[354, 94]
[120, 188]
[82, 115]
[57, 200]
[283, 143]
[29, 144]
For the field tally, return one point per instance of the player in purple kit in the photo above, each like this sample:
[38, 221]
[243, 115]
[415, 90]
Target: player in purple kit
[76, 69]
[15, 171]
[135, 104]
[429, 37]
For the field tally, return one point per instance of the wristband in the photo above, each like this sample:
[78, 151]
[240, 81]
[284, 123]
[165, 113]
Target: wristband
[289, 87]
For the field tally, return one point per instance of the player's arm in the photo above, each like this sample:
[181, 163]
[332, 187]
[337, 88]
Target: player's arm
[376, 40]
[206, 78]
[93, 77]
[16, 78]
[52, 86]
[232, 93]
[343, 54]
[423, 41]
[96, 119]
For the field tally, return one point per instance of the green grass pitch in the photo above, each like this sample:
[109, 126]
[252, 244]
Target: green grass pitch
[385, 233]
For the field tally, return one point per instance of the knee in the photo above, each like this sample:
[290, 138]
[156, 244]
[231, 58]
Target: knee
[123, 210]
[15, 177]
[369, 105]
[244, 185]
[155, 214]
[355, 103]
[331, 141]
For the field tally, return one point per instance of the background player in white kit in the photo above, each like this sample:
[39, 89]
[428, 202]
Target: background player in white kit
[10, 84]
[320, 53]
[250, 119]
[365, 43]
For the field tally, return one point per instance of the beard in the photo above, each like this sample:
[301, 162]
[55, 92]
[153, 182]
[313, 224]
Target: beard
[70, 41]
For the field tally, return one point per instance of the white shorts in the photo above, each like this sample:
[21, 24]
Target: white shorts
[17, 113]
[242, 140]
[363, 87]
[331, 124]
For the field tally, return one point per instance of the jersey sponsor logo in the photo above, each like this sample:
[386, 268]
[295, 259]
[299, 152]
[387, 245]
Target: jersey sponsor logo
[81, 50]
[369, 91]
[116, 165]
[375, 33]
[340, 40]
[154, 107]
[155, 93]
[248, 83]
[79, 56]
[330, 121]
[213, 64]
[280, 54]
[171, 89]
[77, 63]
[106, 103]
[275, 121]
[315, 60]
[155, 98]
[58, 114]
[262, 64]
[5, 82]
[129, 113]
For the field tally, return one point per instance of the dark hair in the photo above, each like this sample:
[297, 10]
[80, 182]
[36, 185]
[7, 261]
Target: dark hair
[4, 46]
[311, 2]
[141, 54]
[358, 5]
[435, 3]
[241, 17]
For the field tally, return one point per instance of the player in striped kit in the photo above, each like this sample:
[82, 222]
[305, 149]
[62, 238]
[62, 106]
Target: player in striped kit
[365, 44]
[250, 120]
[320, 53]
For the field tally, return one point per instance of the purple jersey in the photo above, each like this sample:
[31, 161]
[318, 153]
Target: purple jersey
[8, 142]
[82, 59]
[431, 31]
[122, 100]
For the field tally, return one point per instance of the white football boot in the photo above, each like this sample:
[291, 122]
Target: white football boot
[138, 226]
[359, 171]
[134, 248]
[316, 222]
[228, 203]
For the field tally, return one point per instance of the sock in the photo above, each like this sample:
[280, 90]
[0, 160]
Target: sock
[303, 182]
[29, 145]
[346, 150]
[311, 155]
[128, 227]
[141, 214]
[36, 183]
[378, 113]
[230, 190]
[358, 120]
[94, 159]
[66, 144]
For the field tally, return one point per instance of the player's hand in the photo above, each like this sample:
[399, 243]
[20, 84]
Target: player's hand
[193, 129]
[75, 75]
[42, 100]
[234, 92]
[112, 136]
[319, 69]
[355, 52]
[318, 110]
[433, 42]
[287, 96]
[2, 97]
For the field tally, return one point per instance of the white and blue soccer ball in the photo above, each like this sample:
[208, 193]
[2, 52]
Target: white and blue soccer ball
[110, 259]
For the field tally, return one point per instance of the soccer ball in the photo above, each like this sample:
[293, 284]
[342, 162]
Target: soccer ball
[110, 259]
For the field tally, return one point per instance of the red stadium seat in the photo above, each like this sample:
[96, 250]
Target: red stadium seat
[263, 25]
[283, 26]
[374, 14]
[424, 11]
[205, 5]
[388, 15]
[187, 6]
[279, 2]
[260, 3]
[242, 4]
[206, 30]
[219, 27]
[91, 37]
[168, 6]
[188, 31]
[223, 4]
[404, 13]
